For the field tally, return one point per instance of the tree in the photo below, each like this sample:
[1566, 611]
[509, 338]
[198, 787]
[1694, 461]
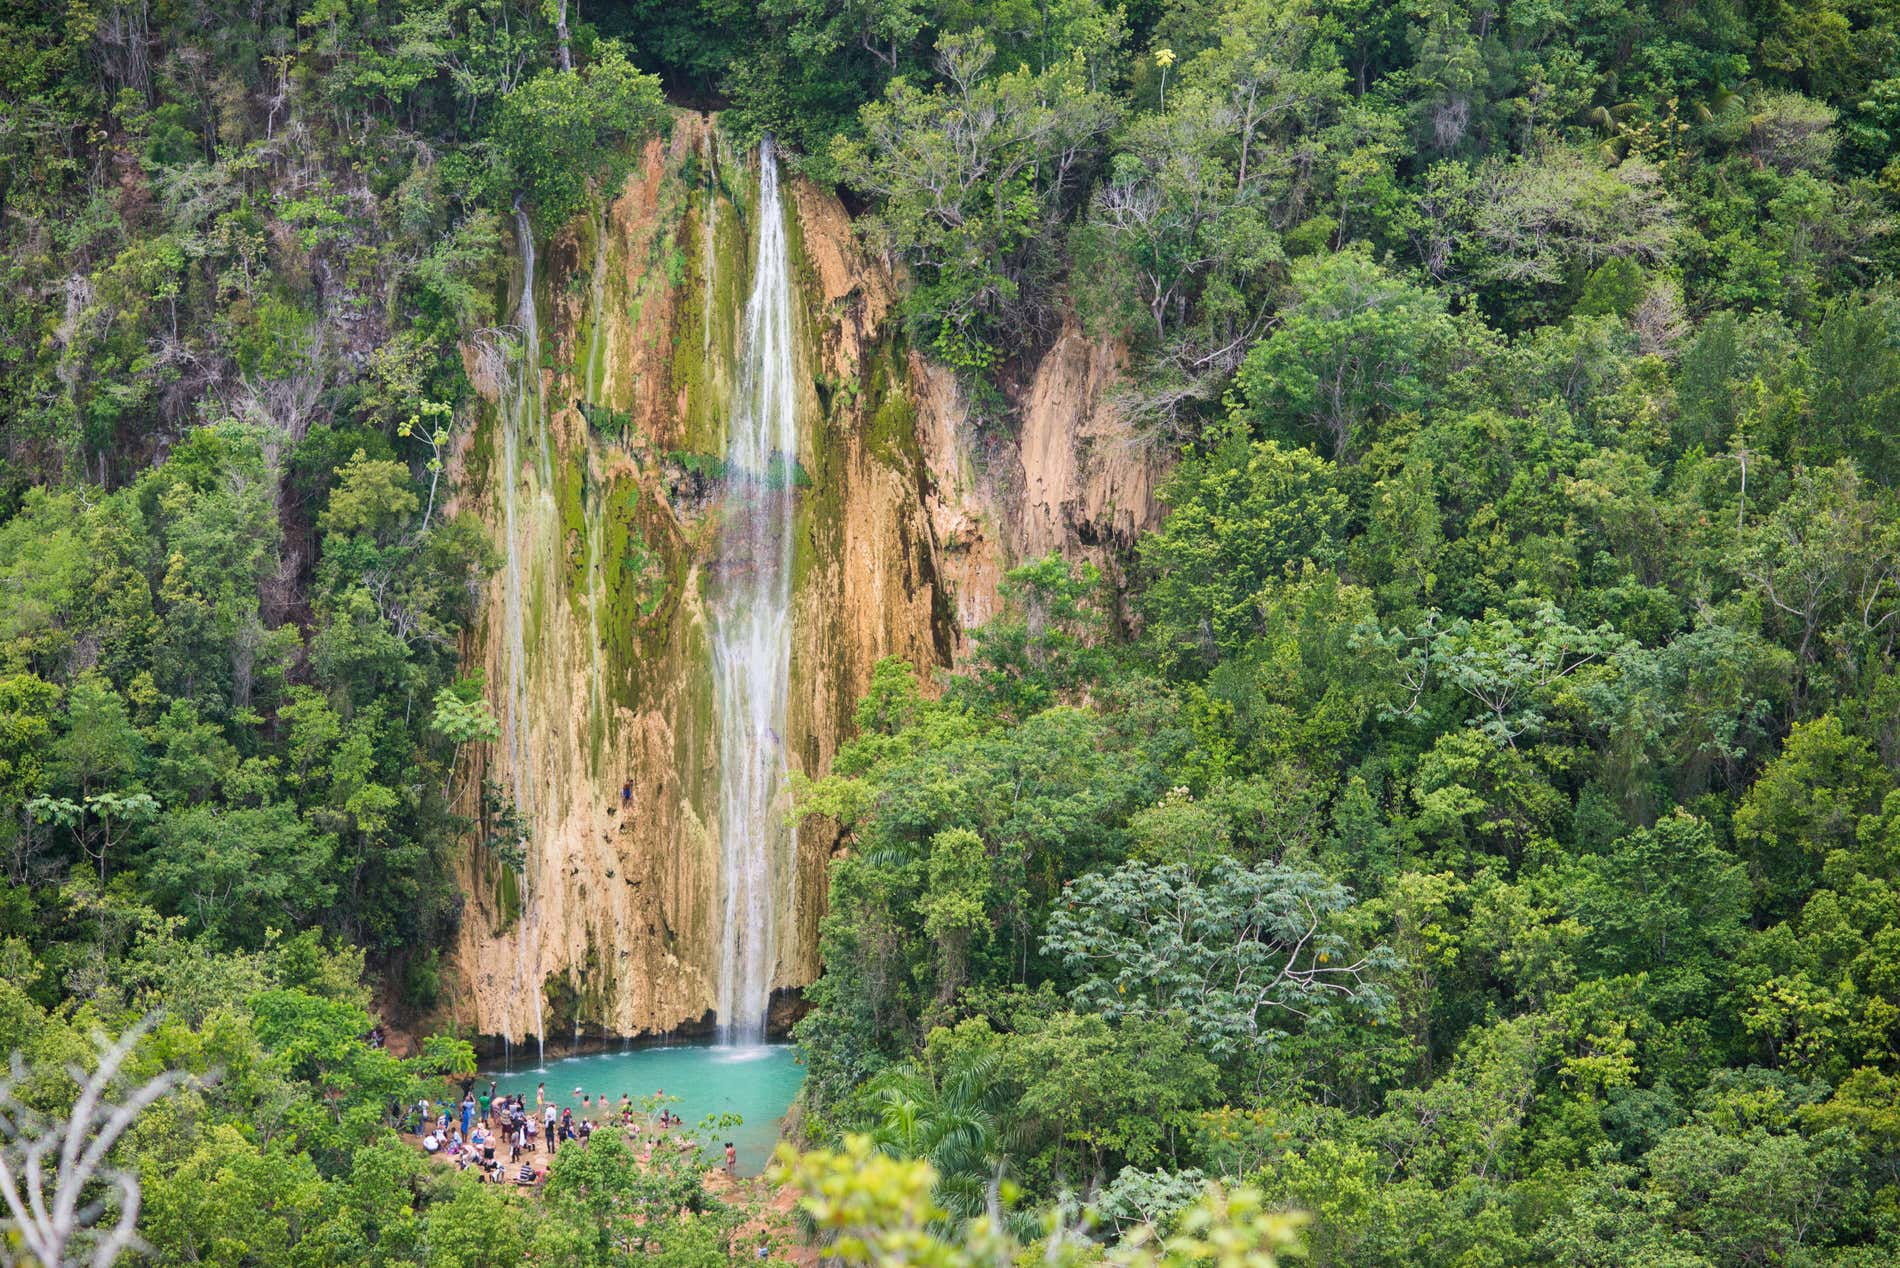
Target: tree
[476, 1227]
[1244, 516]
[1201, 196]
[1353, 346]
[821, 29]
[92, 821]
[100, 745]
[876, 1210]
[434, 434]
[1827, 561]
[1744, 1193]
[1547, 219]
[1046, 645]
[1099, 1094]
[233, 873]
[971, 175]
[1514, 671]
[52, 1168]
[1807, 803]
[1668, 902]
[954, 904]
[463, 716]
[371, 498]
[610, 1208]
[560, 130]
[1173, 230]
[1856, 393]
[950, 1116]
[1215, 952]
[345, 1086]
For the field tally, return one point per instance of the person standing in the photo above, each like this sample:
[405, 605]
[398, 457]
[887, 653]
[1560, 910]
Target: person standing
[732, 1159]
[540, 1095]
[487, 1102]
[468, 1113]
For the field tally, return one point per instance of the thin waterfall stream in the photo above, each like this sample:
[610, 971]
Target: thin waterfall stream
[596, 387]
[751, 629]
[521, 412]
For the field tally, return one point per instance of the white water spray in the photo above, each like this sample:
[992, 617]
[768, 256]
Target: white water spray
[752, 593]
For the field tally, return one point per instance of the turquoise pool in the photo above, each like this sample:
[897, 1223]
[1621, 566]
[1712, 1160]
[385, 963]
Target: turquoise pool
[757, 1083]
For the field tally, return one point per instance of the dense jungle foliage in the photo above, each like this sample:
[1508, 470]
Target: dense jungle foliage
[1477, 827]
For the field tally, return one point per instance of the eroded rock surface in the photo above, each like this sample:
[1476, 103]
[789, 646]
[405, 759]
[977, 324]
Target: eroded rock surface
[607, 925]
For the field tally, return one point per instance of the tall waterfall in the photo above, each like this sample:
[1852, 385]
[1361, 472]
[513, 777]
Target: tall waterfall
[521, 420]
[751, 632]
[520, 411]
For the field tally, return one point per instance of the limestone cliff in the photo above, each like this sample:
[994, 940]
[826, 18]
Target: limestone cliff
[1074, 479]
[597, 484]
[592, 880]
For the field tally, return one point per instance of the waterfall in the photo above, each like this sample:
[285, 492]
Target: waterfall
[521, 412]
[751, 629]
[593, 522]
[709, 255]
[520, 409]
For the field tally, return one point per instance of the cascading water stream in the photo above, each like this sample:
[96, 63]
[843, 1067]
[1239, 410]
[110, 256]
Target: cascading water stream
[596, 386]
[709, 252]
[751, 629]
[521, 411]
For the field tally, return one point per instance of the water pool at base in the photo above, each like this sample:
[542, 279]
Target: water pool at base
[758, 1083]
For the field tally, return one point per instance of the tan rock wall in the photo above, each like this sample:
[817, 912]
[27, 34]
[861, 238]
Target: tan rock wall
[904, 529]
[610, 928]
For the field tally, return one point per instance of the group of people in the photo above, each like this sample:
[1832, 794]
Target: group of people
[473, 1131]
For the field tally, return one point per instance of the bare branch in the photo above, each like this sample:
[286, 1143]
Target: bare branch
[57, 1218]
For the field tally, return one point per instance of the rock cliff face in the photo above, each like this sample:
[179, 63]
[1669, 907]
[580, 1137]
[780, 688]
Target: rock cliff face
[592, 892]
[1075, 479]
